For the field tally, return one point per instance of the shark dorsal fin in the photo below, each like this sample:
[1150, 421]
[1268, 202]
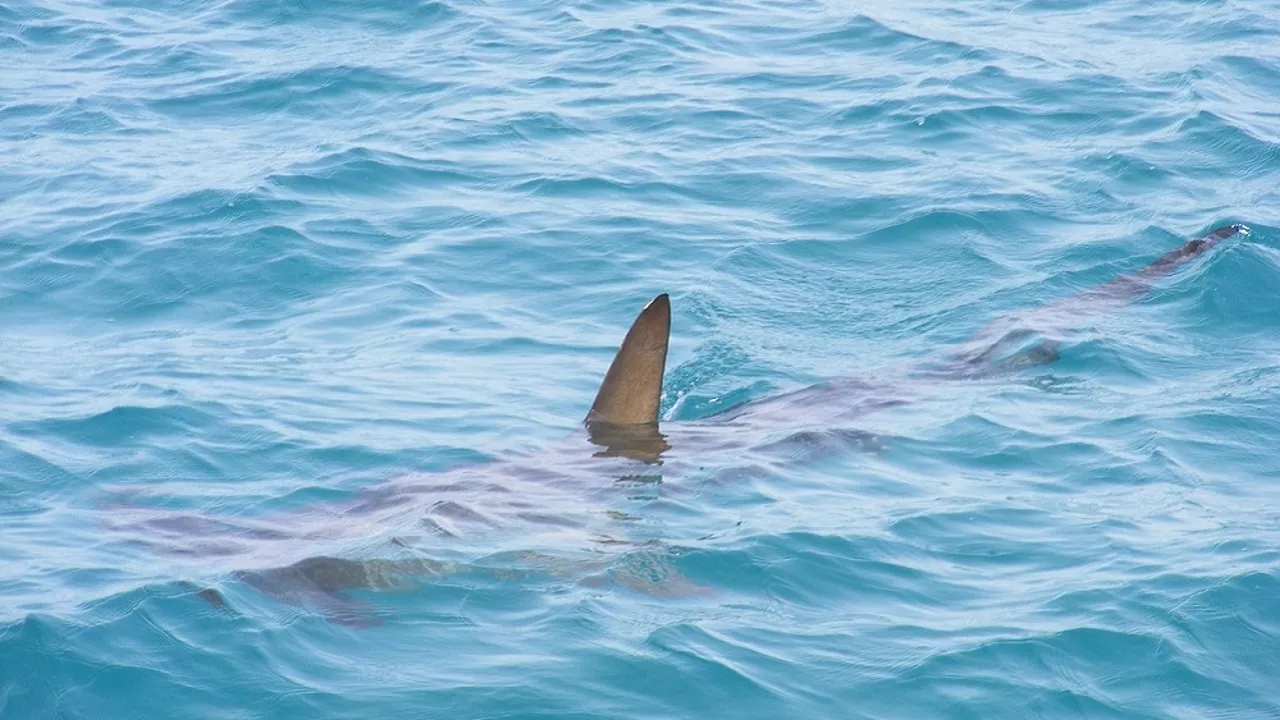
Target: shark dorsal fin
[632, 388]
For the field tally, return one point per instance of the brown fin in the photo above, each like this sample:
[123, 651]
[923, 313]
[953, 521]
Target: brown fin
[632, 388]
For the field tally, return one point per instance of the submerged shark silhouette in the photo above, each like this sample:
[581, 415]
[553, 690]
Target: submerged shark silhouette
[623, 423]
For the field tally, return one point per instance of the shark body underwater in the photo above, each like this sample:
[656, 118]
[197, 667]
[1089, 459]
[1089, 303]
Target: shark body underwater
[622, 439]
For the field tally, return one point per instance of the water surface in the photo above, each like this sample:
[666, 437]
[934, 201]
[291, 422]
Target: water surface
[260, 258]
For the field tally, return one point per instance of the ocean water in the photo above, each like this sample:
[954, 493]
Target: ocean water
[293, 279]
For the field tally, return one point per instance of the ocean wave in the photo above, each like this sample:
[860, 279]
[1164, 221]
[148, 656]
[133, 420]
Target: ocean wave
[304, 303]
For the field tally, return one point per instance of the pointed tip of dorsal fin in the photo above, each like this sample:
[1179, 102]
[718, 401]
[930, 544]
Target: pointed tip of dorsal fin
[632, 389]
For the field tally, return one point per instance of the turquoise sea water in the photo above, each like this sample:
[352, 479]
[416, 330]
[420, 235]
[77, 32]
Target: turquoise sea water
[267, 267]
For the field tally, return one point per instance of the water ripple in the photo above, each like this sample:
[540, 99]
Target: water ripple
[303, 301]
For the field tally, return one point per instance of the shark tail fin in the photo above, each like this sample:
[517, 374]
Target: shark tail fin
[632, 388]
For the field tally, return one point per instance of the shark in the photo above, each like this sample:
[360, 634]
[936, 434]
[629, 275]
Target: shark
[621, 437]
